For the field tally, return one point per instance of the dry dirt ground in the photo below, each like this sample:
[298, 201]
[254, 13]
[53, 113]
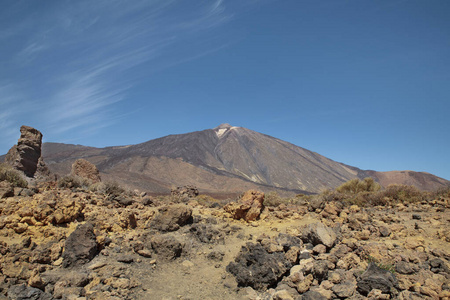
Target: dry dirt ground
[63, 244]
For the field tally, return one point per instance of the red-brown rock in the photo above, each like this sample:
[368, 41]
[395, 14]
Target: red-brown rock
[248, 207]
[85, 169]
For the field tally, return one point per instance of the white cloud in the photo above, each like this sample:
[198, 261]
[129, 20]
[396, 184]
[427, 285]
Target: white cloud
[79, 55]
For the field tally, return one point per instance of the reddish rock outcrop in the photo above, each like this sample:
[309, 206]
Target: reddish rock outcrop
[85, 169]
[248, 207]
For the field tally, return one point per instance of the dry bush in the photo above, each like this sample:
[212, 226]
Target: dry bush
[73, 181]
[355, 186]
[274, 199]
[405, 193]
[13, 176]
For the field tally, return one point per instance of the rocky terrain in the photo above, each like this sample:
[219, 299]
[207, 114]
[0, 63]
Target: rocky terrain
[59, 243]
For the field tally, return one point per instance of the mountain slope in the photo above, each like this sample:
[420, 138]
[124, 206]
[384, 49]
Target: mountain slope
[223, 159]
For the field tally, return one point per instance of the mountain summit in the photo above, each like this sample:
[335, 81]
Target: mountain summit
[223, 159]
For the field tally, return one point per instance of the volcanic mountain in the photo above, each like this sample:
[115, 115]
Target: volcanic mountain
[225, 159]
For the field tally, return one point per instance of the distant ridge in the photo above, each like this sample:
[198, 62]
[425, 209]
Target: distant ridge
[225, 159]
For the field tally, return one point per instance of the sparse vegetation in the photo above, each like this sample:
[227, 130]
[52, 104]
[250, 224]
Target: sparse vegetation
[274, 199]
[381, 265]
[367, 192]
[72, 181]
[13, 176]
[356, 186]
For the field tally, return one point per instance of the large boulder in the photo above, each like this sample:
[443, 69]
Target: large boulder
[24, 292]
[248, 207]
[81, 246]
[85, 169]
[376, 278]
[257, 268]
[172, 217]
[318, 233]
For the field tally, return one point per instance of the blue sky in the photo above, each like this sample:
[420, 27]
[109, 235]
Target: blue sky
[363, 82]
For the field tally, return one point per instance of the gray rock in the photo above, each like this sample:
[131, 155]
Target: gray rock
[404, 267]
[312, 295]
[171, 218]
[318, 233]
[344, 290]
[377, 278]
[24, 292]
[320, 270]
[166, 246]
[81, 246]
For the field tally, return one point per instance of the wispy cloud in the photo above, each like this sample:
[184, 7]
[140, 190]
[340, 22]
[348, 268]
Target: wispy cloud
[77, 57]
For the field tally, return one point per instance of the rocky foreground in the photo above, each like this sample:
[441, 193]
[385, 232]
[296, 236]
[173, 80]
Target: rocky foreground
[60, 243]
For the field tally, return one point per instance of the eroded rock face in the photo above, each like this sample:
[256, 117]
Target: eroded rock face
[81, 246]
[248, 207]
[85, 169]
[26, 154]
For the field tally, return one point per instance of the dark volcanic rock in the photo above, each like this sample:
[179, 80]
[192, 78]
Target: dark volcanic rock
[166, 246]
[205, 233]
[376, 278]
[320, 270]
[170, 218]
[257, 268]
[81, 246]
[312, 295]
[25, 156]
[24, 292]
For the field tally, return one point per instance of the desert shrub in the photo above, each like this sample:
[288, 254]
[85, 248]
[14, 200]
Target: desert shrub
[13, 176]
[206, 200]
[73, 181]
[404, 193]
[355, 186]
[113, 189]
[442, 192]
[274, 199]
[385, 266]
[97, 187]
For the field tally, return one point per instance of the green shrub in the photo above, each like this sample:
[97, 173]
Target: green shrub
[13, 176]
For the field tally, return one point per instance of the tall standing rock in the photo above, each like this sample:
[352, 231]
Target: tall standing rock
[26, 155]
